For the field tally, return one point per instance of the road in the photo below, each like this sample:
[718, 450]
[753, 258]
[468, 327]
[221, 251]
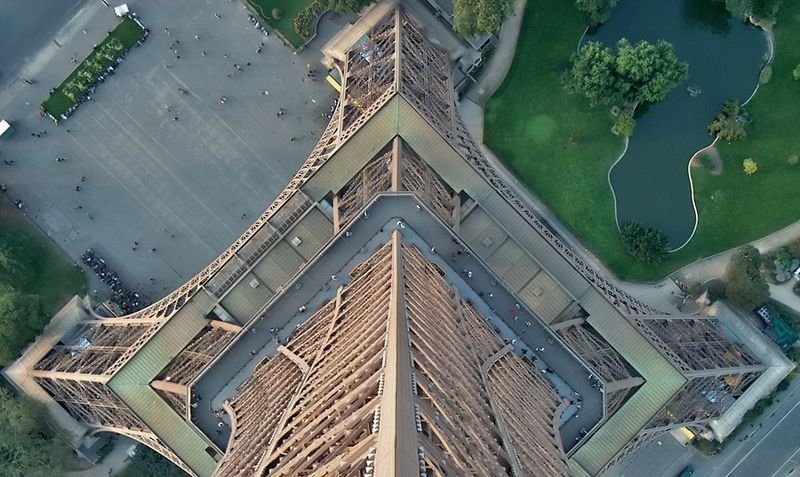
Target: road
[770, 447]
[425, 232]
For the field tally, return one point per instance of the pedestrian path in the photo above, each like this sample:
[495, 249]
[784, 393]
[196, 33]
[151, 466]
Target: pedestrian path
[495, 71]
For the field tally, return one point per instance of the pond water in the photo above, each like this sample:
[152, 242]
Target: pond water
[725, 56]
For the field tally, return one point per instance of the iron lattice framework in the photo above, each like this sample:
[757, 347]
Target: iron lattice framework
[396, 376]
[321, 405]
[619, 378]
[397, 169]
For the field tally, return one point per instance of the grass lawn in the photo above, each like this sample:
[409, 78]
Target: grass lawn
[562, 149]
[735, 208]
[290, 9]
[555, 143]
[55, 278]
[128, 32]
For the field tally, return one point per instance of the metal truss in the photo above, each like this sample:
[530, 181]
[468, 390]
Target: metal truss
[425, 77]
[192, 359]
[374, 178]
[318, 407]
[90, 402]
[596, 351]
[703, 398]
[97, 346]
[369, 77]
[698, 342]
[152, 441]
[530, 411]
[396, 168]
[416, 176]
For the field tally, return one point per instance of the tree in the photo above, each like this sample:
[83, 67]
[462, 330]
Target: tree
[647, 71]
[624, 124]
[745, 285]
[22, 318]
[593, 73]
[641, 72]
[645, 245]
[596, 11]
[479, 16]
[732, 123]
[796, 72]
[27, 446]
[750, 166]
[16, 267]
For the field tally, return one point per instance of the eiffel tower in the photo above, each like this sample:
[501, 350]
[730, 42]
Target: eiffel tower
[360, 326]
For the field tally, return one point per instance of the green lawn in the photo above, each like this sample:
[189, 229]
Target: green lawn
[55, 278]
[562, 150]
[127, 32]
[746, 208]
[290, 9]
[557, 145]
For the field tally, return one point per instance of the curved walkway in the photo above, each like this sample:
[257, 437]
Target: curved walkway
[497, 68]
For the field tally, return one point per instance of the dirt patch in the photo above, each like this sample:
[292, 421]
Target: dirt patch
[708, 159]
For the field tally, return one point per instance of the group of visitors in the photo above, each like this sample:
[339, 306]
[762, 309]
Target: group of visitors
[127, 301]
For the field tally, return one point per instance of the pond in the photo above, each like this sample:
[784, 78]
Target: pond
[651, 182]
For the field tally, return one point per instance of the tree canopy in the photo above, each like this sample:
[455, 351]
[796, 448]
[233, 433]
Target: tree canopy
[596, 11]
[636, 73]
[16, 267]
[646, 245]
[479, 16]
[745, 286]
[27, 446]
[22, 317]
[744, 8]
[732, 123]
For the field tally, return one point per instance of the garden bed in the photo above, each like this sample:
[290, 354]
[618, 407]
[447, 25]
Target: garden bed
[288, 9]
[101, 62]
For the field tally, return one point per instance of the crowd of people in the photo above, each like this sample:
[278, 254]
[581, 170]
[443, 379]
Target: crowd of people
[128, 301]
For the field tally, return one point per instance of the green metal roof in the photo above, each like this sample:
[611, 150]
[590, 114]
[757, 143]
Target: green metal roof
[132, 385]
[662, 382]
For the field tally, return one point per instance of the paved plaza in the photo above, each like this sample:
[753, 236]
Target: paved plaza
[156, 156]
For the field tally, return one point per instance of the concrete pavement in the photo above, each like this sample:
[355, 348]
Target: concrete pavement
[185, 187]
[26, 27]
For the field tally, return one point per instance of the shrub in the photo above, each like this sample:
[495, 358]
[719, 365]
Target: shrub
[745, 286]
[645, 245]
[766, 75]
[624, 125]
[796, 73]
[277, 13]
[750, 166]
[792, 159]
[306, 20]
